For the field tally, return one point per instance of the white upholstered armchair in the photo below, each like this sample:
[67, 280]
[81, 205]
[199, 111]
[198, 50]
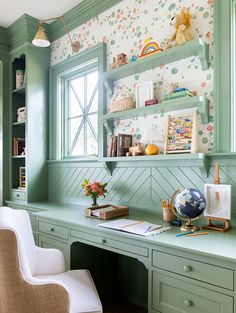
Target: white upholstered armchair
[34, 280]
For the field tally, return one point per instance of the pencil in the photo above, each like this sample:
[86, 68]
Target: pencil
[198, 234]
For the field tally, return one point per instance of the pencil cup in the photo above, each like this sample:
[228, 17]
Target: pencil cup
[168, 215]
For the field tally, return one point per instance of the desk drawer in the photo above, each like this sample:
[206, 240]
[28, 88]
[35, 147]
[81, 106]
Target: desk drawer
[54, 230]
[209, 273]
[175, 296]
[119, 246]
[18, 195]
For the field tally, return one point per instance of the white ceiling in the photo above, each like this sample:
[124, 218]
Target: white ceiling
[11, 10]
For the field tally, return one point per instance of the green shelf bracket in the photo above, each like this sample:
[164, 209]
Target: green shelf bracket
[109, 127]
[204, 165]
[203, 109]
[109, 86]
[109, 167]
[203, 53]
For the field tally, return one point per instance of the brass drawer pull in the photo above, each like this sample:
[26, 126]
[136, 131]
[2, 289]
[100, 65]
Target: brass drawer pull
[51, 229]
[103, 241]
[188, 303]
[188, 268]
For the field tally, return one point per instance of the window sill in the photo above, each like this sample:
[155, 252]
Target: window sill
[92, 159]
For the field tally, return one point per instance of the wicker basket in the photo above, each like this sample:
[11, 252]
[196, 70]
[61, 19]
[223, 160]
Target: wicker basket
[122, 102]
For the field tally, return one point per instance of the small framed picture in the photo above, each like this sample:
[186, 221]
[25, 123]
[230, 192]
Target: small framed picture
[143, 92]
[218, 201]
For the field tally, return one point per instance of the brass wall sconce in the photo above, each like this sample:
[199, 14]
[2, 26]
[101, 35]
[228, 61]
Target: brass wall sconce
[41, 38]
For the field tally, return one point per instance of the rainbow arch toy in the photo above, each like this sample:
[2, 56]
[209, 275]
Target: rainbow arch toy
[150, 47]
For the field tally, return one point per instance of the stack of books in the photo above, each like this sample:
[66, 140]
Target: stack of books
[120, 145]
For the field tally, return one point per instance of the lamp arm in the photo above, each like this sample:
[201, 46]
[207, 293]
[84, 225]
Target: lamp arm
[66, 29]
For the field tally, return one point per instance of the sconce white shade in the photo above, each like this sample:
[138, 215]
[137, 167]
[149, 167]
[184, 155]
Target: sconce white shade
[41, 38]
[152, 135]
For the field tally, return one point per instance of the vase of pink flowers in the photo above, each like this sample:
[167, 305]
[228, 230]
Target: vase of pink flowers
[94, 190]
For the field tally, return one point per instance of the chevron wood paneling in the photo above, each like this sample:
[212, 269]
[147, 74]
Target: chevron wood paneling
[141, 188]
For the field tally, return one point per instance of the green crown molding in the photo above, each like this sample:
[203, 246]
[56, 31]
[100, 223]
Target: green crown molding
[22, 30]
[79, 15]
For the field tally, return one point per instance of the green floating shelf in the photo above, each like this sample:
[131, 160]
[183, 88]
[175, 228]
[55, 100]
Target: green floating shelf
[195, 47]
[18, 123]
[201, 103]
[183, 159]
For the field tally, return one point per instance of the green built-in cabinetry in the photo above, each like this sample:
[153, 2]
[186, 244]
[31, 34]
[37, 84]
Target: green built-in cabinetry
[29, 68]
[184, 274]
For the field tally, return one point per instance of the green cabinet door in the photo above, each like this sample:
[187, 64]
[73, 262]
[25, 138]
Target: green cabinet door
[48, 242]
[173, 295]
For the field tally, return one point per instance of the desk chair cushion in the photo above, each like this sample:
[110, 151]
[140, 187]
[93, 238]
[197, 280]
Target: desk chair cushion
[82, 291]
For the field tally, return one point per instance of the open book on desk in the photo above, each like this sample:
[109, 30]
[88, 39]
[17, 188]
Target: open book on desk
[142, 228]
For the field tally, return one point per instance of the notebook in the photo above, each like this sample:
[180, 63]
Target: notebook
[142, 228]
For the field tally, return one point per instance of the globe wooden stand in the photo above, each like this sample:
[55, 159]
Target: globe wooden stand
[189, 226]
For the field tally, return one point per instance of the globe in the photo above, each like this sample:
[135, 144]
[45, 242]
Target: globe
[190, 203]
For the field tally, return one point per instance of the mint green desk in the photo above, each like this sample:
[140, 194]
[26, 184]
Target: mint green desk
[185, 274]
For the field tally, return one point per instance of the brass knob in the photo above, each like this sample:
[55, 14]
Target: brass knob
[188, 268]
[188, 303]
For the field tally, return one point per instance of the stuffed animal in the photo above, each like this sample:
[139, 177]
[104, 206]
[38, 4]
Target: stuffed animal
[182, 25]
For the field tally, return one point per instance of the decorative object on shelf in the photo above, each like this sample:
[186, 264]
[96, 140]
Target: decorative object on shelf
[143, 92]
[182, 25]
[20, 78]
[122, 101]
[189, 204]
[120, 60]
[150, 47]
[218, 204]
[152, 136]
[181, 134]
[124, 141]
[171, 88]
[21, 114]
[136, 149]
[168, 214]
[41, 38]
[22, 177]
[107, 211]
[134, 58]
[151, 102]
[18, 146]
[94, 190]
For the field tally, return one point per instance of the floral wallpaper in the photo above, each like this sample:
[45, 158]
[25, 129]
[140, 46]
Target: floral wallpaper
[124, 28]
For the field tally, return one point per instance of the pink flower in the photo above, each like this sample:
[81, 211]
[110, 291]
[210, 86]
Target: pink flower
[208, 35]
[203, 84]
[210, 2]
[209, 127]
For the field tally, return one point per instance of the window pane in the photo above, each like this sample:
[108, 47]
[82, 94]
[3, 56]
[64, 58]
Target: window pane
[94, 105]
[74, 106]
[78, 86]
[92, 144]
[92, 79]
[74, 127]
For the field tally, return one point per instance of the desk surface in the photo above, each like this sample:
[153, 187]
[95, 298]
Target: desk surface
[217, 244]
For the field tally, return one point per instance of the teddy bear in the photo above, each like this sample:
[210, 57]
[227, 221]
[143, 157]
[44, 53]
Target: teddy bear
[182, 25]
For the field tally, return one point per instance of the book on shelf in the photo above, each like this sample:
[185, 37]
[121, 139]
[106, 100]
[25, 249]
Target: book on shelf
[18, 146]
[124, 141]
[142, 228]
[113, 147]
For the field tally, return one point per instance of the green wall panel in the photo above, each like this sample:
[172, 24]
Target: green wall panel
[140, 188]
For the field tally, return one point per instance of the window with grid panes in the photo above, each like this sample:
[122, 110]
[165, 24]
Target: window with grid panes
[81, 115]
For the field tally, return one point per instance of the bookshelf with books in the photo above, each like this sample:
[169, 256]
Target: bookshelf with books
[28, 101]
